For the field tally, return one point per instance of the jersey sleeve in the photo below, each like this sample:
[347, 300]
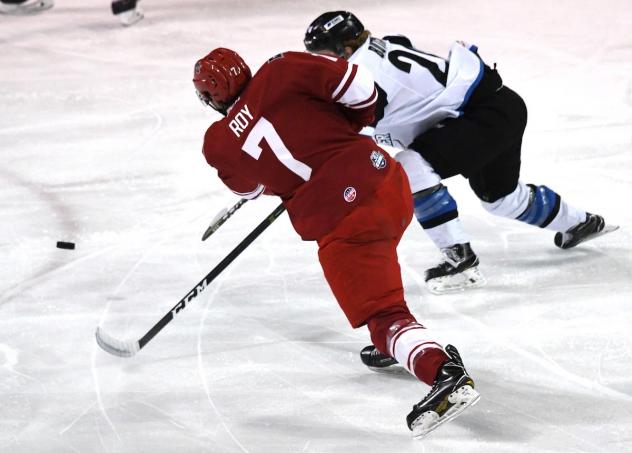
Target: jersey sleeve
[338, 81]
[240, 186]
[230, 177]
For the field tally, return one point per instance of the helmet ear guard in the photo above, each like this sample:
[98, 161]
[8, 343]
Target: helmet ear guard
[331, 30]
[219, 78]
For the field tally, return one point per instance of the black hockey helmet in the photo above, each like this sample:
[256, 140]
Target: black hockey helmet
[331, 30]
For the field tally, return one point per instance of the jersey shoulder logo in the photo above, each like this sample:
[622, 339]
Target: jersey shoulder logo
[378, 160]
[349, 194]
[383, 139]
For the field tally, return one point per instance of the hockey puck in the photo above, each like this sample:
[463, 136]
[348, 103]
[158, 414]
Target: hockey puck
[65, 245]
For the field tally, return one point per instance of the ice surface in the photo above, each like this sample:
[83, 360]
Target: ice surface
[100, 138]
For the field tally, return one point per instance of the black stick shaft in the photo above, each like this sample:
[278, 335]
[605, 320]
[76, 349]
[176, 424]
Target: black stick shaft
[201, 286]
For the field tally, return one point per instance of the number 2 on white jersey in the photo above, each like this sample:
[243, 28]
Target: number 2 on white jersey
[264, 129]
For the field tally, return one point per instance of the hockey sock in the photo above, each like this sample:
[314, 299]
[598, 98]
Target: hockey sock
[437, 213]
[539, 206]
[435, 208]
[396, 332]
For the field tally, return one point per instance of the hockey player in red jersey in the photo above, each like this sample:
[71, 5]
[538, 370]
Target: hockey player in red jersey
[291, 130]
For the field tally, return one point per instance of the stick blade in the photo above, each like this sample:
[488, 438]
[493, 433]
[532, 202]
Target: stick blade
[213, 226]
[114, 346]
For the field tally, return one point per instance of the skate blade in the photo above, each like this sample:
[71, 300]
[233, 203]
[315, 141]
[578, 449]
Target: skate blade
[462, 398]
[606, 229]
[396, 368]
[469, 278]
[131, 17]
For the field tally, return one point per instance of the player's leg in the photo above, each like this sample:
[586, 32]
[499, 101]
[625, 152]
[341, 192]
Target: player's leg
[372, 293]
[502, 193]
[485, 147]
[397, 332]
[437, 213]
[543, 207]
[463, 146]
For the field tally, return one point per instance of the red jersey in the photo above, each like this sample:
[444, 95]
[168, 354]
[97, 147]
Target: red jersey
[294, 132]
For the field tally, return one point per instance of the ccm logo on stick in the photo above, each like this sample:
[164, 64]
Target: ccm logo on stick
[192, 294]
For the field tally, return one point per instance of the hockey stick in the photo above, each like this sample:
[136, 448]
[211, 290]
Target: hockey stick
[222, 217]
[127, 348]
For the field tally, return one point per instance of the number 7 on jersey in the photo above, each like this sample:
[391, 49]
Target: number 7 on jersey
[264, 129]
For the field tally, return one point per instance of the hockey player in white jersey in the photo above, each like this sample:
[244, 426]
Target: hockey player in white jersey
[451, 116]
[412, 98]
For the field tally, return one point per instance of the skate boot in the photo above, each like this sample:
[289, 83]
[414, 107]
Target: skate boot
[452, 393]
[458, 271]
[128, 11]
[379, 362]
[592, 227]
[25, 7]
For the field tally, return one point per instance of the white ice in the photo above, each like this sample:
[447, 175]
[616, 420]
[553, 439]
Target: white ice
[100, 144]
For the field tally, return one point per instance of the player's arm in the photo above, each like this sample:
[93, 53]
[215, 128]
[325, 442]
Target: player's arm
[338, 81]
[237, 184]
[240, 186]
[357, 93]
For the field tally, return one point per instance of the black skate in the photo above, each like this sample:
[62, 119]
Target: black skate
[593, 226]
[377, 361]
[25, 7]
[452, 392]
[458, 271]
[128, 11]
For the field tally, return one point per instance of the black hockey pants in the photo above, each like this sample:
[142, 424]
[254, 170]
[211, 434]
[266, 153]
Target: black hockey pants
[483, 144]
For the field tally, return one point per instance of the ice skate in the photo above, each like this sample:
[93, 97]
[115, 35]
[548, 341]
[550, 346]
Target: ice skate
[379, 362]
[128, 11]
[457, 272]
[594, 226]
[25, 7]
[452, 393]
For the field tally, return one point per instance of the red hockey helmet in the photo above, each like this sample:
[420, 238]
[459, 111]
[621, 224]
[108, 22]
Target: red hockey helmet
[220, 77]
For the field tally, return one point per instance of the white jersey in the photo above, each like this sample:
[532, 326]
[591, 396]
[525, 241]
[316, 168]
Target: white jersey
[417, 90]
